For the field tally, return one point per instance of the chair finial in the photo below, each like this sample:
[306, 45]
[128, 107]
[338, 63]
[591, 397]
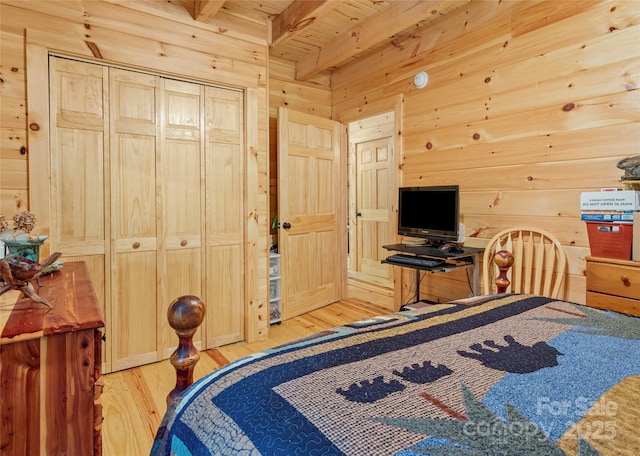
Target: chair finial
[504, 260]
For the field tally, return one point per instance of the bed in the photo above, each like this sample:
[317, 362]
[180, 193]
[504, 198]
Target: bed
[496, 374]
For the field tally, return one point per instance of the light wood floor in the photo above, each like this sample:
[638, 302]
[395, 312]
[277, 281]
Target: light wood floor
[134, 400]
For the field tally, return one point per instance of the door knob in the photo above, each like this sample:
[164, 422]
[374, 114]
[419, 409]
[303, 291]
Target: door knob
[286, 225]
[358, 214]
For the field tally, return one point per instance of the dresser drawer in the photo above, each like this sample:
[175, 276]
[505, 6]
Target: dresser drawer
[616, 303]
[613, 279]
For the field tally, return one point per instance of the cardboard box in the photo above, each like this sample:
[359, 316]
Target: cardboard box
[624, 200]
[610, 240]
[635, 255]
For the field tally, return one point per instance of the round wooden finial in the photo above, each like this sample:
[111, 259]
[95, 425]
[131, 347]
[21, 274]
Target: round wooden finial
[185, 314]
[504, 260]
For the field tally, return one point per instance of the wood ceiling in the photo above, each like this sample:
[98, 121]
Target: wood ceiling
[319, 35]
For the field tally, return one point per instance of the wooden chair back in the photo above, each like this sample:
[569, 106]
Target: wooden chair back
[539, 262]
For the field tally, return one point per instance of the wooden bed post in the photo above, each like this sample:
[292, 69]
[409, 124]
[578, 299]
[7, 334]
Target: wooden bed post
[185, 314]
[504, 260]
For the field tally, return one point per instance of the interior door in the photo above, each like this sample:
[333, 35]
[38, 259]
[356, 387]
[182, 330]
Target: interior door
[134, 213]
[374, 193]
[225, 253]
[312, 211]
[180, 226]
[79, 157]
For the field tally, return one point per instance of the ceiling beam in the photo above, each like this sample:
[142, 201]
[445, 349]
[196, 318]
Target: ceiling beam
[297, 16]
[203, 10]
[380, 27]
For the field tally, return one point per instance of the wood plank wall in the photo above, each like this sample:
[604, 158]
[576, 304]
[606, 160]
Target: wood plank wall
[14, 193]
[136, 40]
[528, 104]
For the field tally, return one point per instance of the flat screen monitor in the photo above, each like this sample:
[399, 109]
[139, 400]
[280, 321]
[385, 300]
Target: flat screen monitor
[429, 213]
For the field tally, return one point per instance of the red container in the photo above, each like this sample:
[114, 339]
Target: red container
[610, 240]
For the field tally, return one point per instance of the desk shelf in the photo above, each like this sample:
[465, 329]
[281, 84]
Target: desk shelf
[445, 267]
[434, 252]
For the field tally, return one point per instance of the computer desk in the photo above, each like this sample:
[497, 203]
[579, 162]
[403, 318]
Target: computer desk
[469, 258]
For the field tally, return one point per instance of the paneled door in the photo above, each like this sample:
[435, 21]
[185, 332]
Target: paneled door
[224, 171]
[78, 197]
[312, 211]
[374, 193]
[180, 197]
[134, 217]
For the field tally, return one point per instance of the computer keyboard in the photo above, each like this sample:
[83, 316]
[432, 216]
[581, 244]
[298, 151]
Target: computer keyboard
[414, 260]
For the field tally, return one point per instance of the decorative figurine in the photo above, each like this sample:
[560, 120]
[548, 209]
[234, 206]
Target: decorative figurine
[18, 240]
[17, 272]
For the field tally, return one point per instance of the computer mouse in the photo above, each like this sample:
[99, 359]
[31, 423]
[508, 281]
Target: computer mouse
[452, 248]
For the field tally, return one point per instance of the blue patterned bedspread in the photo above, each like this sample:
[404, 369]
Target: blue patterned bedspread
[501, 374]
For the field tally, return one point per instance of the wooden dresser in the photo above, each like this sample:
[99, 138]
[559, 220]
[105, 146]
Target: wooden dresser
[50, 364]
[613, 284]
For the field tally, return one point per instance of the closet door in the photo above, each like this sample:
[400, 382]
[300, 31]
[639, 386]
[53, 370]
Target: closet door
[181, 184]
[135, 150]
[147, 188]
[79, 116]
[224, 169]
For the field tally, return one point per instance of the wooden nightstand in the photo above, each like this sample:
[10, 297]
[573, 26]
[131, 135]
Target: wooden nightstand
[613, 284]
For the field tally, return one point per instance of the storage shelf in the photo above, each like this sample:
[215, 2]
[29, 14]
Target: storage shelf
[275, 308]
